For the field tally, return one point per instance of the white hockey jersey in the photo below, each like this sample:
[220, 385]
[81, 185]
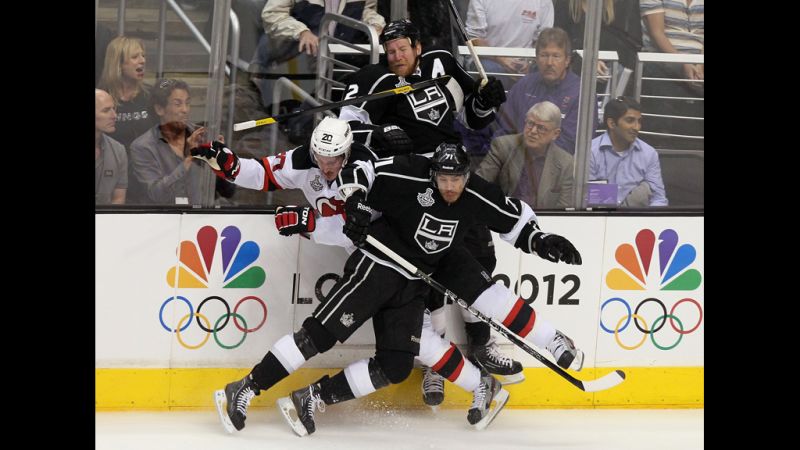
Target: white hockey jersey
[294, 169]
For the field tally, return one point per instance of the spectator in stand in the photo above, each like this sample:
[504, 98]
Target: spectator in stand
[291, 28]
[507, 23]
[674, 27]
[619, 157]
[620, 28]
[299, 21]
[110, 160]
[529, 165]
[123, 78]
[552, 81]
[161, 158]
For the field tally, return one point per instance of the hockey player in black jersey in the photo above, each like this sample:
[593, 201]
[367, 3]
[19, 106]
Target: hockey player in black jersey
[427, 117]
[314, 168]
[427, 207]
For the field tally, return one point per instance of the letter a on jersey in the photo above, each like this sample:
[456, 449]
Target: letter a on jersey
[434, 235]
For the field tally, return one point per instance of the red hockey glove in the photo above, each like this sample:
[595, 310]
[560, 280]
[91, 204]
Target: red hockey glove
[291, 220]
[222, 160]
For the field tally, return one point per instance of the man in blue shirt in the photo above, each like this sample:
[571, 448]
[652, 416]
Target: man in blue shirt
[622, 159]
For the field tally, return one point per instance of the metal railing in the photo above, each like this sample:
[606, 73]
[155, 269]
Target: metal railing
[643, 58]
[327, 64]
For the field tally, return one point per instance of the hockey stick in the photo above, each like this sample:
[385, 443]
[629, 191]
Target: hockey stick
[605, 382]
[400, 90]
[463, 31]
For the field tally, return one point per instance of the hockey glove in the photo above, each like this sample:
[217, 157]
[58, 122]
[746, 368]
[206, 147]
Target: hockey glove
[291, 220]
[490, 96]
[551, 247]
[358, 216]
[391, 140]
[222, 160]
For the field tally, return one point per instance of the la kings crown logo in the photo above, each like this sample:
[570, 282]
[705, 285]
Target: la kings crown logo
[429, 105]
[434, 235]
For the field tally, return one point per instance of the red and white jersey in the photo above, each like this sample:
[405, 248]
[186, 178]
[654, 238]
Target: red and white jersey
[294, 169]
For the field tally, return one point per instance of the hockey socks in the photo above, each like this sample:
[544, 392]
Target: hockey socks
[499, 303]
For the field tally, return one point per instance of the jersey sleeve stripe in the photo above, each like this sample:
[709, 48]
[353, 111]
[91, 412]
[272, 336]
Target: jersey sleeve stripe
[270, 178]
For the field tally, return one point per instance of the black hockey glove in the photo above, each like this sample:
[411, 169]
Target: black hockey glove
[290, 220]
[358, 216]
[551, 247]
[390, 140]
[490, 96]
[222, 160]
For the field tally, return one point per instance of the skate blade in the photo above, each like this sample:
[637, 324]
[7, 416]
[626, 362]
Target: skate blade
[434, 408]
[286, 408]
[499, 401]
[506, 380]
[219, 400]
[577, 363]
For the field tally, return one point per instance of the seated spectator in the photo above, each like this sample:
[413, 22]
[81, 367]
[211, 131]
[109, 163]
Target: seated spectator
[507, 23]
[123, 79]
[529, 165]
[620, 28]
[674, 27]
[291, 27]
[299, 20]
[552, 81]
[161, 158]
[622, 159]
[110, 160]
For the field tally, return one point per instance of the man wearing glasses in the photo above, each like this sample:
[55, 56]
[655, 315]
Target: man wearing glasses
[530, 165]
[553, 81]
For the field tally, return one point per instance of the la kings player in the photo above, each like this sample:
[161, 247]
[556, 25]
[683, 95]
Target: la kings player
[427, 117]
[428, 206]
[313, 168]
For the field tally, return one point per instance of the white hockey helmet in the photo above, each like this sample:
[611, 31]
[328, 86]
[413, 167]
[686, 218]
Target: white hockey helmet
[332, 137]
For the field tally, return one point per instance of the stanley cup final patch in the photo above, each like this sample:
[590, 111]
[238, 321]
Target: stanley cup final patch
[434, 235]
[425, 199]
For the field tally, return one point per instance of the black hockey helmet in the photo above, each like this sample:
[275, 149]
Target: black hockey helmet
[399, 29]
[450, 159]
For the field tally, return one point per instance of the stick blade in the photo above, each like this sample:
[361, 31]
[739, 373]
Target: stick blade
[607, 381]
[244, 125]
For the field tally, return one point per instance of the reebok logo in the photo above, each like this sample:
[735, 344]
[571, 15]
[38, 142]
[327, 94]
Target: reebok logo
[364, 207]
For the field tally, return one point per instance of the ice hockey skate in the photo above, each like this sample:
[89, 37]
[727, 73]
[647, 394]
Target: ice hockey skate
[501, 366]
[299, 407]
[432, 388]
[563, 350]
[489, 391]
[232, 402]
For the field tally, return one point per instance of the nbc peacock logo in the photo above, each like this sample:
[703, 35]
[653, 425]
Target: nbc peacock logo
[648, 265]
[198, 267]
[196, 260]
[637, 263]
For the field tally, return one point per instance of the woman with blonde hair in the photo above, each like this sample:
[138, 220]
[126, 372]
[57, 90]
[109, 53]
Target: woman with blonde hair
[123, 78]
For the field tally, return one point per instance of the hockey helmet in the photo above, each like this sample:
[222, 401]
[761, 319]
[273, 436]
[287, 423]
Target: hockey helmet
[332, 137]
[398, 29]
[450, 159]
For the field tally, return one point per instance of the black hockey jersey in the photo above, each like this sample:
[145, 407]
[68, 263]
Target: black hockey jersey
[426, 115]
[416, 222]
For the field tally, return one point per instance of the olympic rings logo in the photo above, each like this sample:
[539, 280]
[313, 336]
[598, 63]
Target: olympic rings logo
[219, 325]
[657, 325]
